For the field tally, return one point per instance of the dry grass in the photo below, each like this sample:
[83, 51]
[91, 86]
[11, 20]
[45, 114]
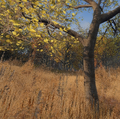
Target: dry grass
[29, 93]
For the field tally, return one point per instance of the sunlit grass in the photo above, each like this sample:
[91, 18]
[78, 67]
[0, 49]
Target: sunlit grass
[37, 93]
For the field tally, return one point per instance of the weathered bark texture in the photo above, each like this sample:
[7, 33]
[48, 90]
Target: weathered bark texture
[91, 95]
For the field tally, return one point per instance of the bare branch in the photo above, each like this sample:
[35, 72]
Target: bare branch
[109, 15]
[80, 6]
[58, 26]
[93, 4]
[99, 2]
[114, 29]
[26, 16]
[104, 3]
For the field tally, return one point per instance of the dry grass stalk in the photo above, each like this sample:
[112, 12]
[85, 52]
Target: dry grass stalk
[29, 93]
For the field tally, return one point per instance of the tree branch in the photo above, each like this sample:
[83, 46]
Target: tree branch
[70, 32]
[109, 15]
[99, 2]
[79, 6]
[93, 4]
[58, 26]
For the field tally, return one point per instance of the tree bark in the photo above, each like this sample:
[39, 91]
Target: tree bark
[91, 95]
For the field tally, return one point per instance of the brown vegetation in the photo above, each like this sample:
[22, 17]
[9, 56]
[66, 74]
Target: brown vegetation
[29, 93]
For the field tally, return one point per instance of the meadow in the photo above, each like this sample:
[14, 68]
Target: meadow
[27, 92]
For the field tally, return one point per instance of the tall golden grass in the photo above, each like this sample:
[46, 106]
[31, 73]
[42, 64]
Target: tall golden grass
[30, 93]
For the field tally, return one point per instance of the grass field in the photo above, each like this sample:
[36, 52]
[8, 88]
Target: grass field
[37, 93]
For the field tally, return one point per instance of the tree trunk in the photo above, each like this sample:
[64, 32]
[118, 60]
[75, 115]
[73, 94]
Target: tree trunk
[91, 95]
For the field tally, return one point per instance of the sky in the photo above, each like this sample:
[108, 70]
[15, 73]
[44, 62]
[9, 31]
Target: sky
[87, 18]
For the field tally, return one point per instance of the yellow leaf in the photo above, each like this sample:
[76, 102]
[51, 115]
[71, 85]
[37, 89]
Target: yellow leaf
[41, 50]
[36, 3]
[32, 30]
[72, 37]
[20, 5]
[19, 42]
[7, 36]
[64, 12]
[8, 40]
[38, 50]
[9, 16]
[43, 15]
[69, 27]
[73, 14]
[12, 49]
[65, 29]
[16, 24]
[55, 22]
[43, 12]
[3, 6]
[51, 41]
[16, 8]
[38, 36]
[24, 0]
[36, 24]
[35, 20]
[8, 11]
[11, 20]
[31, 10]
[14, 33]
[25, 10]
[47, 15]
[20, 30]
[1, 34]
[16, 29]
[51, 47]
[22, 48]
[61, 29]
[60, 33]
[67, 1]
[53, 7]
[41, 24]
[46, 40]
[35, 46]
[11, 42]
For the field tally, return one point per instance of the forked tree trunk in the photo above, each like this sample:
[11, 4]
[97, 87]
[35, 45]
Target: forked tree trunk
[91, 95]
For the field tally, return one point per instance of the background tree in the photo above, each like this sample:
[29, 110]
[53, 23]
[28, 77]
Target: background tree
[67, 52]
[106, 49]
